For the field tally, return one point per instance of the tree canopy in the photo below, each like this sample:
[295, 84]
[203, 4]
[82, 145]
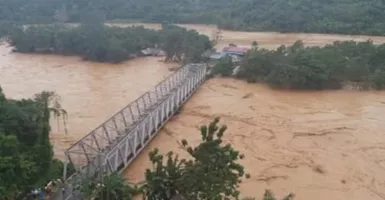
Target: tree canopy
[26, 156]
[325, 16]
[358, 64]
[97, 42]
[224, 67]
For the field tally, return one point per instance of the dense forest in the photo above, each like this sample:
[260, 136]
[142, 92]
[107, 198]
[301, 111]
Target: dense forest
[357, 64]
[97, 42]
[325, 16]
[26, 156]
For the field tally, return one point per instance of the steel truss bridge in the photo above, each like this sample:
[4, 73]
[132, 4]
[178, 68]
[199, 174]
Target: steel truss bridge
[113, 145]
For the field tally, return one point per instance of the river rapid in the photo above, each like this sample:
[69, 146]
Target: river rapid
[318, 145]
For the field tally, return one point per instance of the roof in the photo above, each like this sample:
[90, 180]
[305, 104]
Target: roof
[236, 50]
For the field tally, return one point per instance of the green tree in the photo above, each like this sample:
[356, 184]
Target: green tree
[330, 67]
[97, 42]
[212, 172]
[26, 154]
[223, 67]
[51, 101]
[112, 187]
[16, 167]
[162, 182]
[216, 37]
[378, 79]
[254, 44]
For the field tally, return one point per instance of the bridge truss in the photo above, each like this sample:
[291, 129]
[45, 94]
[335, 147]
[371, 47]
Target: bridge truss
[113, 145]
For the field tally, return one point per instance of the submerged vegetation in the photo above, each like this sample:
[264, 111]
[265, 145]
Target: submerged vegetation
[358, 64]
[97, 42]
[26, 155]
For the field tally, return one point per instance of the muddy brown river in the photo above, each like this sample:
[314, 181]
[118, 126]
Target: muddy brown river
[318, 145]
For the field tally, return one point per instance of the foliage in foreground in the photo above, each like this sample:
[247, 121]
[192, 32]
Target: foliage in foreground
[26, 156]
[360, 64]
[113, 187]
[97, 42]
[210, 172]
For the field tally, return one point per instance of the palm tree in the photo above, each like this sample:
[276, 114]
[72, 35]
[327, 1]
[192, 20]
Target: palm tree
[51, 101]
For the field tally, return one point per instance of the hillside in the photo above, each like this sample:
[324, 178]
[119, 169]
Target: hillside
[323, 16]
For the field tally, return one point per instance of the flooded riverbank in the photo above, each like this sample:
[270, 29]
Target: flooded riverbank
[319, 145]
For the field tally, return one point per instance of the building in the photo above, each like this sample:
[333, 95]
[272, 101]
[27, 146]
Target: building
[153, 52]
[238, 51]
[220, 55]
[217, 56]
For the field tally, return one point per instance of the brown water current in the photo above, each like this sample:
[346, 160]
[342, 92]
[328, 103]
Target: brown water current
[90, 92]
[318, 145]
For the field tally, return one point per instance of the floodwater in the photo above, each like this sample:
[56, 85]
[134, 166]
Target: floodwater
[90, 92]
[318, 145]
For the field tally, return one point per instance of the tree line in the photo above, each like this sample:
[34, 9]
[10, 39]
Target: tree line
[26, 155]
[324, 16]
[334, 66]
[320, 16]
[97, 42]
[211, 172]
